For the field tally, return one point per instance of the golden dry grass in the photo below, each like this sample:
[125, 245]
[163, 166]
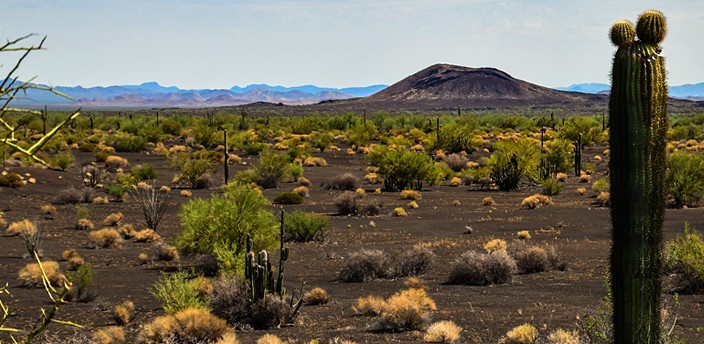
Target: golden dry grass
[370, 305]
[146, 235]
[113, 219]
[25, 227]
[407, 309]
[523, 235]
[48, 209]
[85, 224]
[114, 162]
[604, 198]
[316, 296]
[122, 314]
[106, 238]
[442, 332]
[302, 190]
[269, 339]
[304, 181]
[455, 182]
[488, 202]
[399, 211]
[371, 178]
[411, 195]
[523, 334]
[535, 201]
[31, 275]
[495, 245]
[109, 335]
[561, 336]
[191, 323]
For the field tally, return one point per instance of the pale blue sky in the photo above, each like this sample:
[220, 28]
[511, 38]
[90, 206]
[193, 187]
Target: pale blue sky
[218, 43]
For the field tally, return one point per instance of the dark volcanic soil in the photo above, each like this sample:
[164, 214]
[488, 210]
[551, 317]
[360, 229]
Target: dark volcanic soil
[573, 224]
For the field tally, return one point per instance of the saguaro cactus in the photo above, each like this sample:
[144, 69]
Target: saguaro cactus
[638, 125]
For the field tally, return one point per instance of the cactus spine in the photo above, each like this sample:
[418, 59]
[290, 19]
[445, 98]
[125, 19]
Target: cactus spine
[638, 125]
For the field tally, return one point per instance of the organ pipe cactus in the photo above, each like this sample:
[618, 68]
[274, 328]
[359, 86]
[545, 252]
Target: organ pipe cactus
[260, 276]
[638, 125]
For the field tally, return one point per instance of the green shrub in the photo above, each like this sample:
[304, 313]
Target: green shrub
[296, 170]
[271, 169]
[685, 255]
[321, 141]
[511, 161]
[589, 127]
[225, 220]
[288, 198]
[178, 292]
[117, 191]
[551, 187]
[81, 281]
[360, 135]
[455, 139]
[254, 148]
[205, 135]
[144, 172]
[171, 127]
[301, 226]
[558, 156]
[11, 180]
[124, 142]
[601, 185]
[62, 160]
[685, 178]
[101, 156]
[402, 168]
[193, 171]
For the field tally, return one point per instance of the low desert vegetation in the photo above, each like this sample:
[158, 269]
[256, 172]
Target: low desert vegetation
[445, 331]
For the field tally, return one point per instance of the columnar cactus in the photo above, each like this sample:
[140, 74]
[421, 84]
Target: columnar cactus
[638, 125]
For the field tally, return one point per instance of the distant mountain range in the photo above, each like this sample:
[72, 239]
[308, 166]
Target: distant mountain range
[151, 95]
[687, 91]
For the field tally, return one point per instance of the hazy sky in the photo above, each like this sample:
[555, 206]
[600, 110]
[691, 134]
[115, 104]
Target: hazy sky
[218, 43]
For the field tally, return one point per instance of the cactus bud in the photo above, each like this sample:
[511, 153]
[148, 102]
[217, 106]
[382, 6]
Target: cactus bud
[651, 27]
[622, 33]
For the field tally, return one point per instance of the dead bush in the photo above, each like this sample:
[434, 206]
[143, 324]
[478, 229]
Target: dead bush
[106, 238]
[127, 231]
[533, 259]
[85, 224]
[365, 265]
[21, 227]
[476, 268]
[414, 262]
[351, 203]
[165, 252]
[345, 181]
[75, 196]
[189, 326]
[229, 300]
[456, 162]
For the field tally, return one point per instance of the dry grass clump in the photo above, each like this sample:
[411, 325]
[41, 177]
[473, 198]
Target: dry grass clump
[455, 182]
[100, 200]
[304, 181]
[535, 201]
[365, 265]
[106, 238]
[73, 258]
[408, 309]
[186, 193]
[413, 205]
[399, 211]
[488, 202]
[495, 245]
[31, 274]
[411, 195]
[24, 227]
[371, 178]
[122, 313]
[561, 177]
[581, 190]
[361, 193]
[109, 335]
[317, 296]
[370, 305]
[143, 258]
[561, 336]
[113, 219]
[302, 190]
[85, 224]
[127, 231]
[146, 235]
[442, 332]
[311, 161]
[415, 283]
[523, 334]
[584, 178]
[189, 326]
[113, 162]
[269, 339]
[48, 209]
[456, 203]
[476, 268]
[523, 235]
[604, 198]
[3, 222]
[165, 252]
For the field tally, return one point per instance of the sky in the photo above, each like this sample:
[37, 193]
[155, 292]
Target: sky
[218, 44]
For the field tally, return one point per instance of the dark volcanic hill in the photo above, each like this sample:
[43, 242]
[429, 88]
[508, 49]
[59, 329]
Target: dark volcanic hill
[449, 86]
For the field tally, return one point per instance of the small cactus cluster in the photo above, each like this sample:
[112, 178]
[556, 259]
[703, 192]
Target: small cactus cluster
[259, 274]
